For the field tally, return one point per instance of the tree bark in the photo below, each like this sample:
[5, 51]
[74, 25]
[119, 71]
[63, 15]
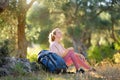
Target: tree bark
[79, 47]
[113, 32]
[22, 43]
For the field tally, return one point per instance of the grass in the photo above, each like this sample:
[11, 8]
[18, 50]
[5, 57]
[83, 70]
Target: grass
[104, 72]
[110, 72]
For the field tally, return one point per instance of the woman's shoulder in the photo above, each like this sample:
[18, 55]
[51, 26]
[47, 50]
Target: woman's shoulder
[52, 44]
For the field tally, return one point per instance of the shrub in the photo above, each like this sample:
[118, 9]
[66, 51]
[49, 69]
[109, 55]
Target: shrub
[117, 58]
[4, 48]
[18, 69]
[98, 53]
[32, 57]
[117, 46]
[33, 53]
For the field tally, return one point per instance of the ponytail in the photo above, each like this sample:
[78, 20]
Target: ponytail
[51, 35]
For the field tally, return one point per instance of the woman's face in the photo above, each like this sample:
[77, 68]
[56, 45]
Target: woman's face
[58, 34]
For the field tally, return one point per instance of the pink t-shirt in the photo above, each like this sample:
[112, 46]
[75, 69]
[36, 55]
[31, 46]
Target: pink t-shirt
[57, 48]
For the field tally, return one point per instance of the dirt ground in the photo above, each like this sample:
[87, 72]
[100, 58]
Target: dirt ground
[104, 72]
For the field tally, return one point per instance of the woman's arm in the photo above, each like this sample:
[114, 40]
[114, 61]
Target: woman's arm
[70, 48]
[65, 52]
[60, 52]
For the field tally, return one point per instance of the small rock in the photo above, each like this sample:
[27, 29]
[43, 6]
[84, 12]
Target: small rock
[3, 72]
[13, 65]
[35, 66]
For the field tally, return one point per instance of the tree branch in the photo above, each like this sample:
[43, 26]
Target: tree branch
[77, 7]
[56, 12]
[30, 4]
[105, 9]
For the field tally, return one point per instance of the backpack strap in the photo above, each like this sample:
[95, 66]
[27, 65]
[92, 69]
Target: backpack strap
[50, 58]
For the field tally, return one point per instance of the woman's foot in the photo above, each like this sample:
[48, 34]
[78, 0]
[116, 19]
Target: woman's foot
[80, 70]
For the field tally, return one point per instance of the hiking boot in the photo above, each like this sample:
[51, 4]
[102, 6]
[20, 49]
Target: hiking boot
[80, 70]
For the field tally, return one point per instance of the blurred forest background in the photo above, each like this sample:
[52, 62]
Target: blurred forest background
[92, 27]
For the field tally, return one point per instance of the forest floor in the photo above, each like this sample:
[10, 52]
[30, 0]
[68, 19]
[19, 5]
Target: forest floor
[104, 72]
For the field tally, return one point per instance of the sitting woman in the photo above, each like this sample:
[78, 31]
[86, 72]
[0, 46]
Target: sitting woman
[67, 54]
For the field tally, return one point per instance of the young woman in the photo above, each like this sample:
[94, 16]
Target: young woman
[67, 54]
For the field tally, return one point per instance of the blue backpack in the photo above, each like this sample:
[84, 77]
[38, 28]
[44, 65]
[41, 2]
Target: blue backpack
[52, 62]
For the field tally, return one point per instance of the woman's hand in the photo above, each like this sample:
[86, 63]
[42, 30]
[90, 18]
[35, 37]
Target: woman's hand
[70, 48]
[65, 52]
[81, 56]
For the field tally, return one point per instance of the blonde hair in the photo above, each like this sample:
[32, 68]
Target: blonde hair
[51, 35]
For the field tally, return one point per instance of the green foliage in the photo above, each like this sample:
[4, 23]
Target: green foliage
[67, 42]
[75, 31]
[39, 25]
[39, 14]
[6, 48]
[18, 69]
[43, 37]
[32, 57]
[33, 51]
[98, 53]
[117, 46]
[116, 58]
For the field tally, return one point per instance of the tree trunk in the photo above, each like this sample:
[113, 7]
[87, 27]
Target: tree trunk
[113, 32]
[79, 47]
[22, 43]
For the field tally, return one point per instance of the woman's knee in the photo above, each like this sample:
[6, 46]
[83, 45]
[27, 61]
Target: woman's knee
[71, 51]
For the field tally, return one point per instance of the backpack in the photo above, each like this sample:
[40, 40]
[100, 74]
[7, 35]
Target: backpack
[52, 62]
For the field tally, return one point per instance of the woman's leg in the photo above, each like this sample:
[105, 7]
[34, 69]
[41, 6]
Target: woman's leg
[72, 57]
[82, 62]
[77, 61]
